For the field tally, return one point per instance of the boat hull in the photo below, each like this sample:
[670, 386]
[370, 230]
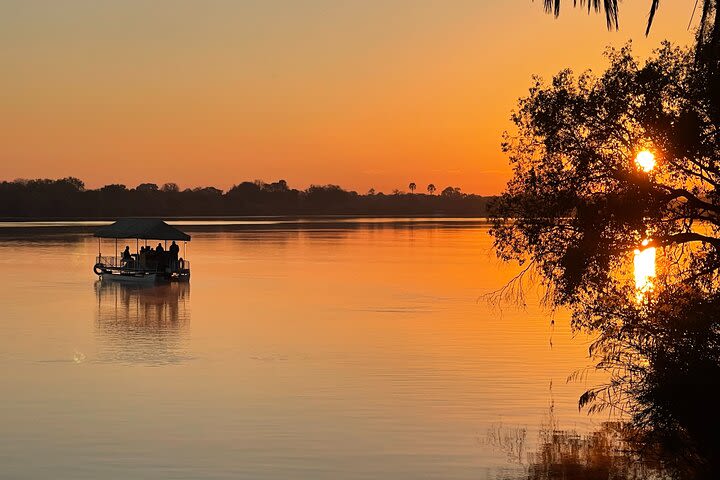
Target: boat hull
[145, 278]
[133, 277]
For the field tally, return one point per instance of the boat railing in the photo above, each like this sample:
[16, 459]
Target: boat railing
[108, 261]
[141, 264]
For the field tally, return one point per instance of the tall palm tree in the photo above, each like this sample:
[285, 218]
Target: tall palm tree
[412, 187]
[431, 189]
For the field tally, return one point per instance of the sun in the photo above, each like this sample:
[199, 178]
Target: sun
[645, 160]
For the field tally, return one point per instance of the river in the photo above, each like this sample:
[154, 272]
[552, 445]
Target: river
[342, 349]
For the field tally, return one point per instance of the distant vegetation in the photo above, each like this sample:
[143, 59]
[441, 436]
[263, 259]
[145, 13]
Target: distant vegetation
[68, 198]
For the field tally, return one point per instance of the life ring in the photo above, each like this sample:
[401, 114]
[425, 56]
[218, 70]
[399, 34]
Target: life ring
[99, 269]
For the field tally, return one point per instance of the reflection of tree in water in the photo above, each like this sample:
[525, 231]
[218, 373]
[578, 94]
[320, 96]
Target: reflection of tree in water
[670, 424]
[606, 453]
[142, 324]
[665, 362]
[611, 452]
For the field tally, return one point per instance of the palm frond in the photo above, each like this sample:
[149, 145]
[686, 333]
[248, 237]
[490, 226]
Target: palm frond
[552, 6]
[610, 7]
[653, 8]
[611, 14]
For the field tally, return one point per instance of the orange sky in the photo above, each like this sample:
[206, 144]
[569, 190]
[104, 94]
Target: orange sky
[358, 93]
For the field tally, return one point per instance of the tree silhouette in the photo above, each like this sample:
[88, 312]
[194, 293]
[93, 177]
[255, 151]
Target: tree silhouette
[147, 187]
[580, 202]
[114, 188]
[707, 38]
[74, 182]
[63, 198]
[431, 189]
[412, 187]
[578, 206]
[451, 192]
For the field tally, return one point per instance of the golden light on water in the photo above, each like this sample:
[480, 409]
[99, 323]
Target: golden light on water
[644, 263]
[645, 160]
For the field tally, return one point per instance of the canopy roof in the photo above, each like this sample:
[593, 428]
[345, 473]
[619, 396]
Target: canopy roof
[145, 228]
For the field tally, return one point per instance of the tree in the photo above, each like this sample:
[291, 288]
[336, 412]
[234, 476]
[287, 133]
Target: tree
[451, 192]
[579, 205]
[114, 188]
[431, 189]
[707, 38]
[327, 196]
[170, 188]
[279, 186]
[412, 187]
[74, 182]
[577, 196]
[147, 187]
[245, 190]
[210, 191]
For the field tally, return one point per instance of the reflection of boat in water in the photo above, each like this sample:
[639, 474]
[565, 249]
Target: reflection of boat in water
[142, 323]
[146, 265]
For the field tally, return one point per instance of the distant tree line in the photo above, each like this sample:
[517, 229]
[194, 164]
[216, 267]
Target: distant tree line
[68, 198]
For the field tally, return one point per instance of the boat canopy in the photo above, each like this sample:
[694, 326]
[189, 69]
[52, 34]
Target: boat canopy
[144, 228]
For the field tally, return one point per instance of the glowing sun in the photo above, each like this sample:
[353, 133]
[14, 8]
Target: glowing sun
[645, 160]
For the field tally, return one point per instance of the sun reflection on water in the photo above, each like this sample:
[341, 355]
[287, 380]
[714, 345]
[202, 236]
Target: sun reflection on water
[644, 263]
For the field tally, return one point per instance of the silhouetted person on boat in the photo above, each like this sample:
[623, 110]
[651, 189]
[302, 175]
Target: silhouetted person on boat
[127, 257]
[161, 257]
[174, 252]
[148, 257]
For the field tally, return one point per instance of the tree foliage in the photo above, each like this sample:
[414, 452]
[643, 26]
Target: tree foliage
[68, 198]
[707, 36]
[578, 206]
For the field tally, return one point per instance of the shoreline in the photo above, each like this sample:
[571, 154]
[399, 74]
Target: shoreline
[27, 227]
[231, 218]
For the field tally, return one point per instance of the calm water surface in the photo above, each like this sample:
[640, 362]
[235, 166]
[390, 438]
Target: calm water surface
[356, 350]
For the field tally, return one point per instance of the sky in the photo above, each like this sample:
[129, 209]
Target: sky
[360, 93]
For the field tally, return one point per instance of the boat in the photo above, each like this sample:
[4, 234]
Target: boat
[143, 266]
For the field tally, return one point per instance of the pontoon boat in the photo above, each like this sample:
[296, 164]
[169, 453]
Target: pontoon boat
[146, 264]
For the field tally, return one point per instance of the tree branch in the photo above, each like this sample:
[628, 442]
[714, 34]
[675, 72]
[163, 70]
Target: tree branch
[687, 237]
[674, 193]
